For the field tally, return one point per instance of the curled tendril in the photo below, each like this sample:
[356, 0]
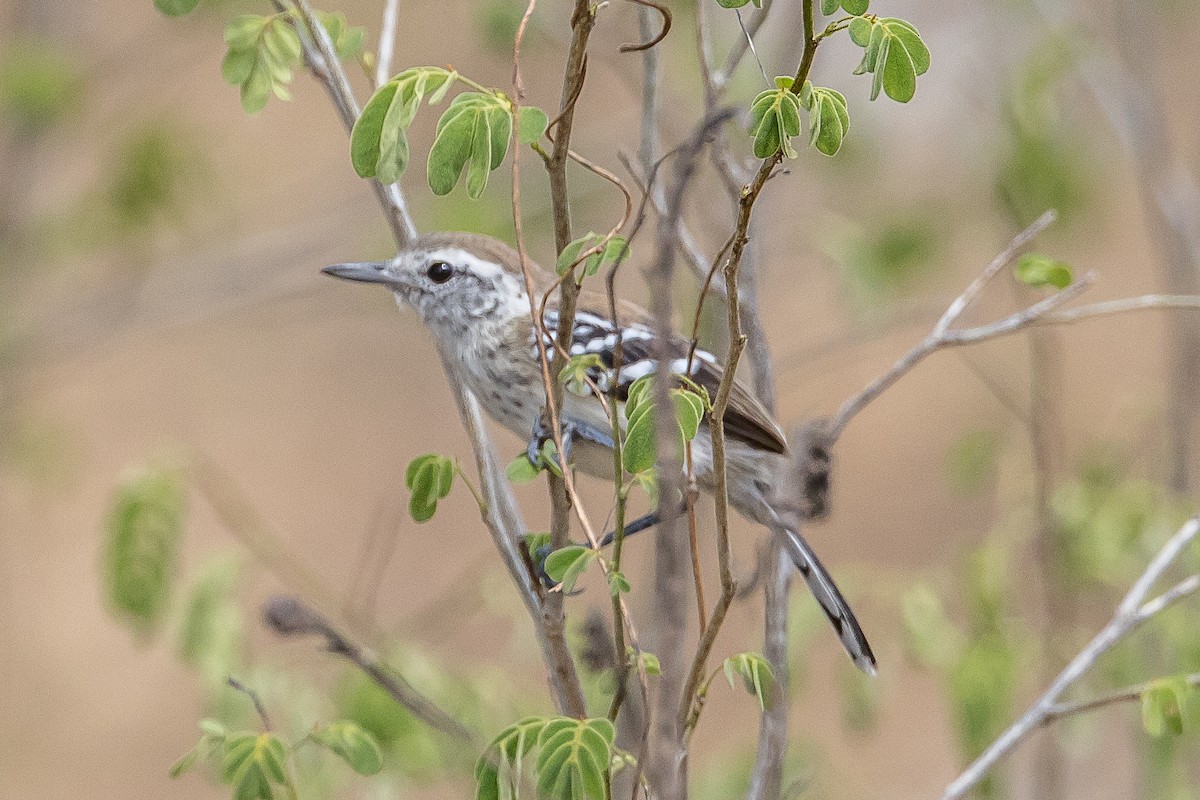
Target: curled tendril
[662, 34]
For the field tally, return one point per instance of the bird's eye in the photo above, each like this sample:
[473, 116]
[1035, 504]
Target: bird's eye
[440, 272]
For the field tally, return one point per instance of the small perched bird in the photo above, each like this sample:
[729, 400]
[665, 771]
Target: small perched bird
[470, 292]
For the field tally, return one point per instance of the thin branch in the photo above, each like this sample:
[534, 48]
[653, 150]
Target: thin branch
[667, 756]
[387, 41]
[1131, 613]
[941, 335]
[1127, 695]
[289, 616]
[259, 708]
[570, 700]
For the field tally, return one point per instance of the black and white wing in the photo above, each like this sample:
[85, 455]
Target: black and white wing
[745, 419]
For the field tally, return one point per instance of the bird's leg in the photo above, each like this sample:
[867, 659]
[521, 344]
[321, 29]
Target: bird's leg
[644, 522]
[638, 525]
[633, 526]
[570, 431]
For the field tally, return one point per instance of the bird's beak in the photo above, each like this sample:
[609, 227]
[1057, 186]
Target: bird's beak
[364, 272]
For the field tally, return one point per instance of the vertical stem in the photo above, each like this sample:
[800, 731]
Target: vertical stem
[1045, 369]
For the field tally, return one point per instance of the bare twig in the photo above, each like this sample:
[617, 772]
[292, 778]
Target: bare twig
[289, 616]
[571, 700]
[1134, 610]
[259, 708]
[667, 755]
[941, 335]
[1127, 695]
[387, 41]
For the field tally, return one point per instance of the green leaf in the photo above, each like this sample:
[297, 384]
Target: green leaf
[828, 119]
[578, 370]
[176, 8]
[617, 583]
[775, 118]
[894, 54]
[754, 672]
[430, 478]
[262, 53]
[481, 156]
[347, 40]
[640, 450]
[242, 32]
[565, 565]
[734, 3]
[252, 763]
[501, 767]
[570, 253]
[1037, 270]
[860, 31]
[533, 124]
[689, 410]
[210, 638]
[353, 744]
[145, 527]
[379, 143]
[574, 758]
[212, 736]
[855, 7]
[1163, 702]
[521, 470]
[829, 7]
[464, 136]
[650, 663]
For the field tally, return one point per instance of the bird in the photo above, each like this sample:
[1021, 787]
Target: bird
[470, 292]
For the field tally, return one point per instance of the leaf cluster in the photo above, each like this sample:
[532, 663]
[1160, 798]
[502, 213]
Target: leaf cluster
[571, 759]
[754, 673]
[255, 764]
[472, 134]
[892, 52]
[263, 51]
[430, 478]
[641, 450]
[145, 528]
[606, 254]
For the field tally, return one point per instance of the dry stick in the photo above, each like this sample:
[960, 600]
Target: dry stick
[938, 338]
[1133, 611]
[387, 41]
[667, 753]
[737, 341]
[572, 702]
[259, 708]
[582, 20]
[239, 516]
[289, 616]
[1127, 695]
[766, 776]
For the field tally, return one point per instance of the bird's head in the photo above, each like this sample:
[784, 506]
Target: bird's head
[455, 281]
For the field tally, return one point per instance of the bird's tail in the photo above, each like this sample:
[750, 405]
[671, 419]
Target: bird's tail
[821, 584]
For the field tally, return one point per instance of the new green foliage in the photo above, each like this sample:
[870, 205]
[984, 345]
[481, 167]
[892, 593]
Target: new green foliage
[893, 54]
[429, 478]
[562, 757]
[263, 51]
[473, 133]
[565, 565]
[1037, 270]
[145, 527]
[755, 674]
[352, 744]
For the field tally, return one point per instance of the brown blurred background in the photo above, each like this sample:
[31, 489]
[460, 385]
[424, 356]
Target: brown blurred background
[160, 297]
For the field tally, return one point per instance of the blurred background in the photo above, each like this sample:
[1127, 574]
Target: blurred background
[164, 327]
